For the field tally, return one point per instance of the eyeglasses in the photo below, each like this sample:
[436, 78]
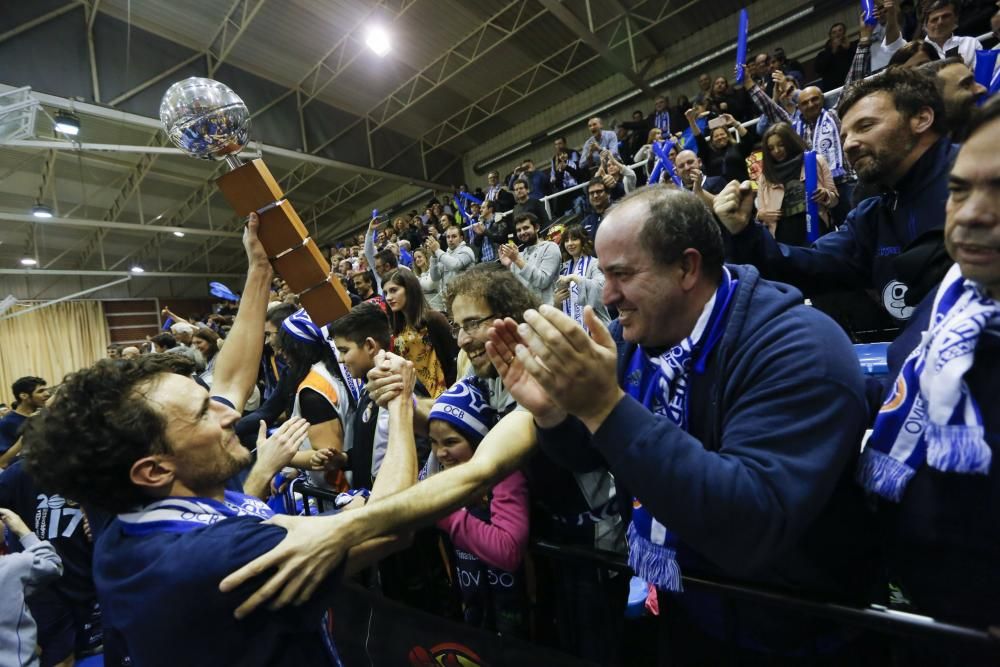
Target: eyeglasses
[596, 193]
[471, 326]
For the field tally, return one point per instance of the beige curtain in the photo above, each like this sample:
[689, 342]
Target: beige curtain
[51, 342]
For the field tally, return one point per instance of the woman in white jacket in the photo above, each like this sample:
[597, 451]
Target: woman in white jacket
[581, 280]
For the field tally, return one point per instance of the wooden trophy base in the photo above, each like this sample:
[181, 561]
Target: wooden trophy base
[294, 255]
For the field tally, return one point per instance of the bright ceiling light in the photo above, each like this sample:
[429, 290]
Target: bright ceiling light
[41, 211]
[377, 40]
[138, 269]
[28, 261]
[67, 123]
[179, 235]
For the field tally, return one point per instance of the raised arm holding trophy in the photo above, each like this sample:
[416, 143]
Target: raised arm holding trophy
[206, 119]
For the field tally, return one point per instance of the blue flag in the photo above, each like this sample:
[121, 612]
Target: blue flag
[868, 11]
[812, 208]
[741, 46]
[986, 62]
[222, 292]
[664, 163]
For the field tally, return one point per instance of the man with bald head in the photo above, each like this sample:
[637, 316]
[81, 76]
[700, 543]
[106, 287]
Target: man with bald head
[820, 129]
[598, 141]
[688, 167]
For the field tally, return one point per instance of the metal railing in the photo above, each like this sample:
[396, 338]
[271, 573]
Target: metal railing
[874, 617]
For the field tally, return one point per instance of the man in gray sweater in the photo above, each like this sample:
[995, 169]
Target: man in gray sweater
[447, 265]
[537, 266]
[20, 574]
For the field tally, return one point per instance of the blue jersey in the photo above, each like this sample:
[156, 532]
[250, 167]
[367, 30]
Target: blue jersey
[160, 595]
[10, 429]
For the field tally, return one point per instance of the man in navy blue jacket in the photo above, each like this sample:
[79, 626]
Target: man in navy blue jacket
[731, 412]
[894, 135]
[942, 520]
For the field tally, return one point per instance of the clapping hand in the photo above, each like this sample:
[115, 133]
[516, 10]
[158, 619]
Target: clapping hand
[504, 340]
[275, 452]
[327, 459]
[562, 291]
[696, 177]
[509, 254]
[574, 372]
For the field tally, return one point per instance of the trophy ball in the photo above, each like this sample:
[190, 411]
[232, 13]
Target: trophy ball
[205, 118]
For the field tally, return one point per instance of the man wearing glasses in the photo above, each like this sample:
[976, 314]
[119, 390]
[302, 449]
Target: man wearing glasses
[600, 202]
[579, 508]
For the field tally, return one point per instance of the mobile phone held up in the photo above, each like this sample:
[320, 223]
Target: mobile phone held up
[718, 121]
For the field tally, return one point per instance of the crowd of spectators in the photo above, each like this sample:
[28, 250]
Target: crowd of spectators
[648, 366]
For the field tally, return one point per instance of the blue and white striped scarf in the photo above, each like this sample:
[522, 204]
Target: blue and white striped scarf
[179, 515]
[573, 306]
[825, 140]
[661, 384]
[930, 417]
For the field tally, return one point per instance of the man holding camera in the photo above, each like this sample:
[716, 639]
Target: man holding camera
[458, 257]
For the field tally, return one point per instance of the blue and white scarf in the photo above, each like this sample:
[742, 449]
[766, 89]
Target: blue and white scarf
[301, 327]
[179, 515]
[573, 306]
[661, 383]
[930, 417]
[825, 140]
[354, 385]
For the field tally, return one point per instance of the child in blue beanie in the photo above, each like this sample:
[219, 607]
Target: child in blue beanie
[489, 537]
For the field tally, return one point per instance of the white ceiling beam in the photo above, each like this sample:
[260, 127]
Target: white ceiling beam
[132, 227]
[145, 274]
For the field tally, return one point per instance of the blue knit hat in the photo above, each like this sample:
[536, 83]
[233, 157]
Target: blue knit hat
[300, 326]
[465, 407]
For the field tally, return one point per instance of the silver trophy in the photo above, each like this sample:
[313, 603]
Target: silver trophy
[206, 119]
